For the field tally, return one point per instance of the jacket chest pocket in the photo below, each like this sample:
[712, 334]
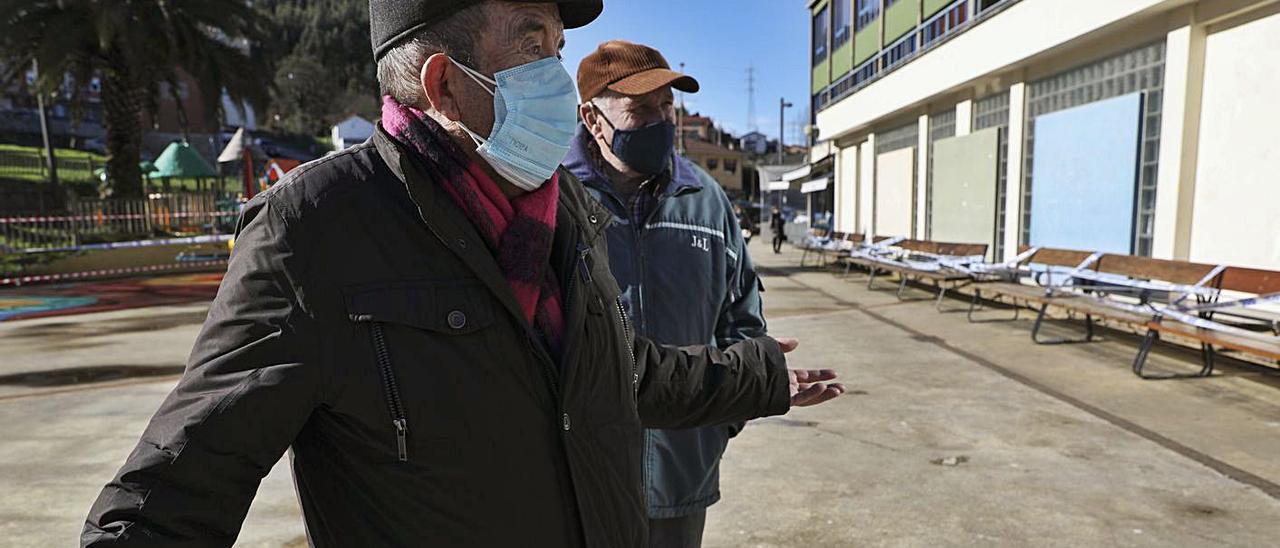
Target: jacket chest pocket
[424, 338]
[610, 333]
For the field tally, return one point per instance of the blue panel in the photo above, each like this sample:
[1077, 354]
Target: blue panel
[1085, 176]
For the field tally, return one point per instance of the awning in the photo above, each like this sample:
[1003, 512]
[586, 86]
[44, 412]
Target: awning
[816, 185]
[796, 174]
[778, 185]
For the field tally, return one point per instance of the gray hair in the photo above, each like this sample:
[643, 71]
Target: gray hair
[607, 96]
[456, 36]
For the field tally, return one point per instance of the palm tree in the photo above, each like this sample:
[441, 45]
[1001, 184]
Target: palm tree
[134, 46]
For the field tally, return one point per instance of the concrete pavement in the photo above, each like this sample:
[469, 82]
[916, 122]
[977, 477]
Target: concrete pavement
[953, 434]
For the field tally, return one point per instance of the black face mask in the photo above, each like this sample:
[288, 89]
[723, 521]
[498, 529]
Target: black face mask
[645, 150]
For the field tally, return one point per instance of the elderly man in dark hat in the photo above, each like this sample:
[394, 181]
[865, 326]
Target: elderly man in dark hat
[428, 323]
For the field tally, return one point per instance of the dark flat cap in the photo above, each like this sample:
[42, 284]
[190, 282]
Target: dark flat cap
[391, 21]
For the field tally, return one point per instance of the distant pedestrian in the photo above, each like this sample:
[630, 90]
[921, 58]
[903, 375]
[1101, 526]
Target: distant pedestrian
[777, 224]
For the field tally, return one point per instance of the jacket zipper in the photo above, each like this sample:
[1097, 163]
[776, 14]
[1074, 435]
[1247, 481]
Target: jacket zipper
[631, 350]
[581, 249]
[390, 390]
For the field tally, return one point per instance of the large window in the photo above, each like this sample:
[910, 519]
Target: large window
[868, 10]
[841, 22]
[821, 26]
[984, 5]
[1140, 70]
[993, 112]
[904, 136]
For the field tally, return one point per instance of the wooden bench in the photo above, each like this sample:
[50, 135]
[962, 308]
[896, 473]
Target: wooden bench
[840, 253]
[1239, 280]
[943, 278]
[1145, 286]
[808, 245]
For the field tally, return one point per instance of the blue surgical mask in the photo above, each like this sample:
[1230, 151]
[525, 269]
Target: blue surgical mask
[535, 114]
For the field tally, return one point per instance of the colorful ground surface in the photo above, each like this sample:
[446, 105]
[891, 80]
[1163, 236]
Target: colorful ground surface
[100, 296]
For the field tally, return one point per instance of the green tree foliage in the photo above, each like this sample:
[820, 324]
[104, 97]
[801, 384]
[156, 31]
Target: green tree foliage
[324, 66]
[135, 46]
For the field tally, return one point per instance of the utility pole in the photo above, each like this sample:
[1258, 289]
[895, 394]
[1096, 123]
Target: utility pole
[783, 105]
[751, 99]
[50, 159]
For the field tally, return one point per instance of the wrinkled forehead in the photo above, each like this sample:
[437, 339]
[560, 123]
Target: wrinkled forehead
[625, 103]
[518, 20]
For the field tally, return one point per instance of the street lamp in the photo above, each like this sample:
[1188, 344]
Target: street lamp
[783, 105]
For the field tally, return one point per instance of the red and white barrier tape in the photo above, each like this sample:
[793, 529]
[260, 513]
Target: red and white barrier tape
[47, 278]
[113, 217]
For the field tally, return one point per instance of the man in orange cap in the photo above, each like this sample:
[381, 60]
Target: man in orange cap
[677, 253]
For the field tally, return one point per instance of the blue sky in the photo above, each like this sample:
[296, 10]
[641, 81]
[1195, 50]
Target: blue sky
[717, 40]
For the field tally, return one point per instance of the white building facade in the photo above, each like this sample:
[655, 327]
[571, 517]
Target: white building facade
[1128, 126]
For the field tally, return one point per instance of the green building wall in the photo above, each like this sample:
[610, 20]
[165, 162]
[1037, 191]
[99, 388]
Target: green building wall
[932, 6]
[821, 71]
[822, 75]
[866, 43]
[900, 19]
[842, 60]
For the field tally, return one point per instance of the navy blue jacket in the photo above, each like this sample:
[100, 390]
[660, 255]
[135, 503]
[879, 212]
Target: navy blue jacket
[686, 279]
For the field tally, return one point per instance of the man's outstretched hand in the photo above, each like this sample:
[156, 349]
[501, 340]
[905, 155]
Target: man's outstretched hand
[809, 386]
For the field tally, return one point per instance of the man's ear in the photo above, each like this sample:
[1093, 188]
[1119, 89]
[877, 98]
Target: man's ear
[588, 116]
[437, 86]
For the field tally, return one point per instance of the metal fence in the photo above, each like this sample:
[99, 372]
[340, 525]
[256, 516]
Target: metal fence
[114, 220]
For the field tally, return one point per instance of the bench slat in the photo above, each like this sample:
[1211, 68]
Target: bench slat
[1251, 280]
[1225, 340]
[1178, 272]
[1059, 257]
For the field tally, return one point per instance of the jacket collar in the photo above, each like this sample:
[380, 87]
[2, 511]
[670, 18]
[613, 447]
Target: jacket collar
[576, 212]
[437, 211]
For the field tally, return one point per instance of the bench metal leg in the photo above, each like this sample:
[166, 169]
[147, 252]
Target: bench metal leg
[1144, 350]
[1035, 329]
[1207, 355]
[871, 279]
[803, 256]
[902, 284]
[976, 305]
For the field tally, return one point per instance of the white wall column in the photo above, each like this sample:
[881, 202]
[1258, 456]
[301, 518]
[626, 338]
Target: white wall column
[837, 178]
[964, 117]
[1013, 190]
[922, 178]
[1179, 142]
[867, 186]
[846, 181]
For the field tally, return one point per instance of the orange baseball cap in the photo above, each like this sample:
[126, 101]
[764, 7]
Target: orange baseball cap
[629, 69]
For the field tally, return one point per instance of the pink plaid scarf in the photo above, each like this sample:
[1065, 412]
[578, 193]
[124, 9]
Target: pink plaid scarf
[517, 231]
